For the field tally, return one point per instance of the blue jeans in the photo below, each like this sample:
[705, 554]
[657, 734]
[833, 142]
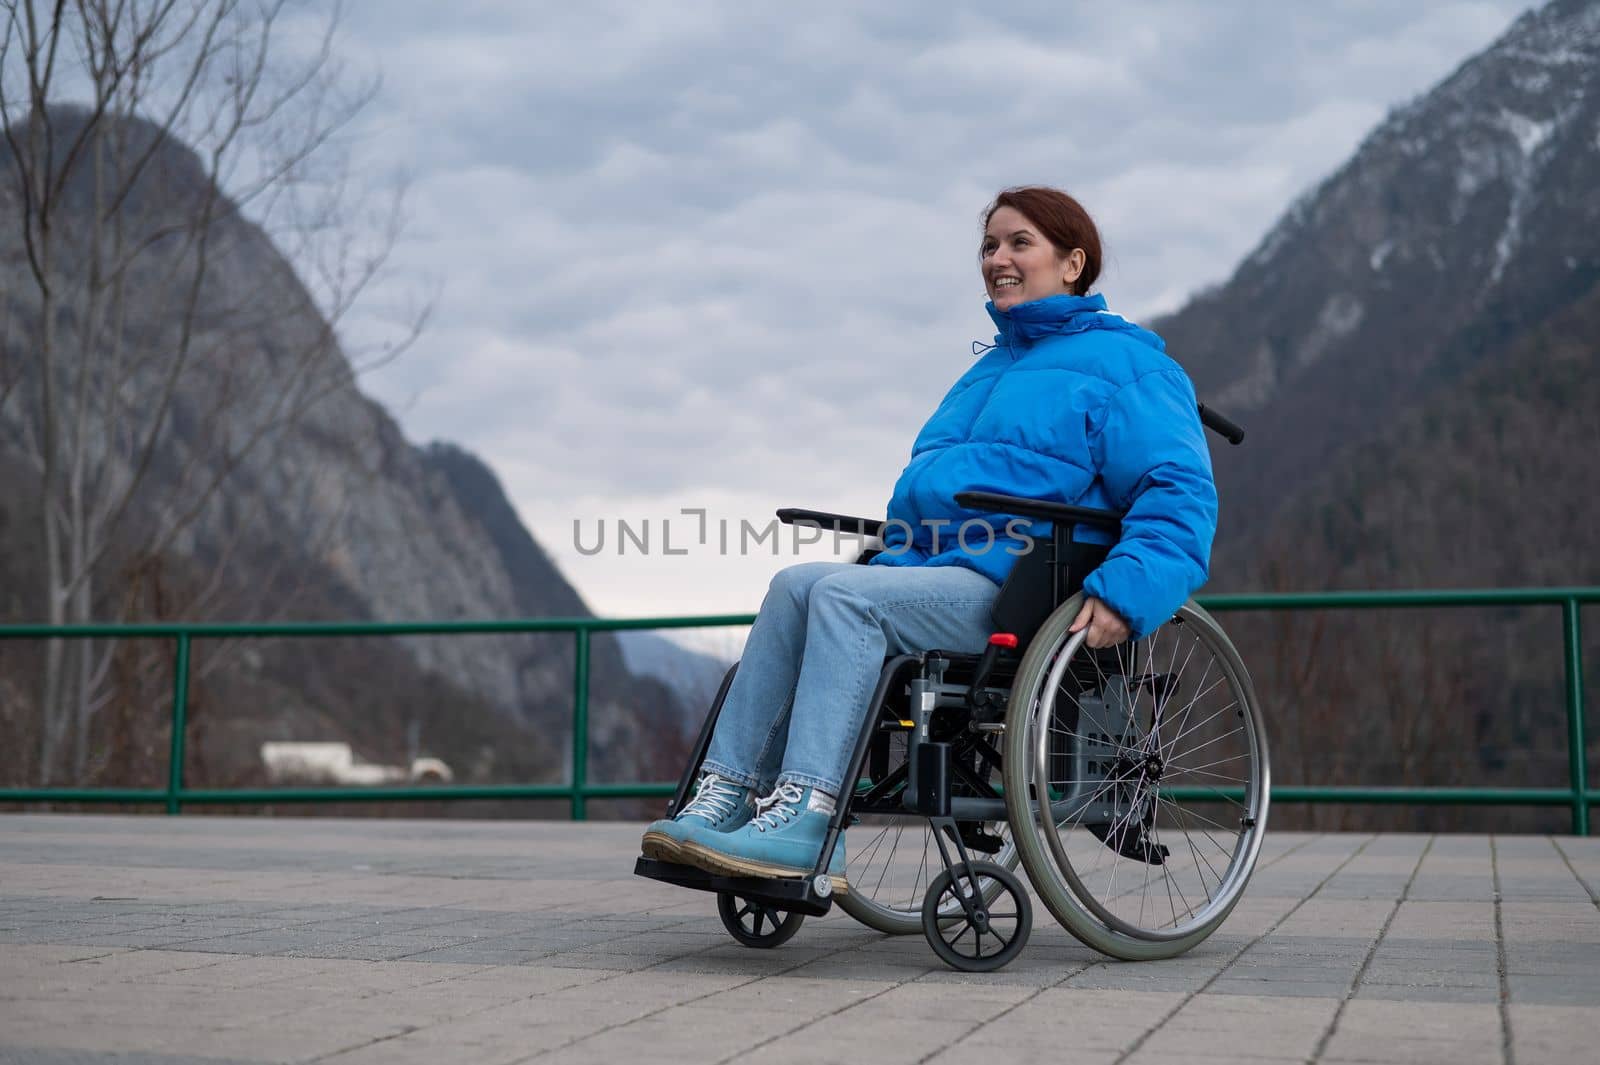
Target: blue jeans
[799, 698]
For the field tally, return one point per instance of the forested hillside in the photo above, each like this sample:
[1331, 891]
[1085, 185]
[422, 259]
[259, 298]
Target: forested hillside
[1414, 348]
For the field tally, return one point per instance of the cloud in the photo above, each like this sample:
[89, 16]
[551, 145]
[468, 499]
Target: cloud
[723, 251]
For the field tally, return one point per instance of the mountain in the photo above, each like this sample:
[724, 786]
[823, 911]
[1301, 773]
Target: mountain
[693, 675]
[275, 490]
[1413, 349]
[1465, 220]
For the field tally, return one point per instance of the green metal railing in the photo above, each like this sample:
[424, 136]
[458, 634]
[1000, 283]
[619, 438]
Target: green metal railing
[1576, 795]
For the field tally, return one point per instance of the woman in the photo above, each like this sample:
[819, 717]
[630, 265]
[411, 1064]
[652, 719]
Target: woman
[1072, 404]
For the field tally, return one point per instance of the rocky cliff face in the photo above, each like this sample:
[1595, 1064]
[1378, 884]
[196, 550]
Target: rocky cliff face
[322, 510]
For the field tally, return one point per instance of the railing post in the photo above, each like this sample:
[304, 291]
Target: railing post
[1572, 630]
[580, 724]
[180, 717]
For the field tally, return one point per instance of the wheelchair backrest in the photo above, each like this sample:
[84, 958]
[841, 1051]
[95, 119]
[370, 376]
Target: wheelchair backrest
[1037, 585]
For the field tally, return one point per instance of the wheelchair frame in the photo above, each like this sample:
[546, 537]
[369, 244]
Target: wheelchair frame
[1040, 583]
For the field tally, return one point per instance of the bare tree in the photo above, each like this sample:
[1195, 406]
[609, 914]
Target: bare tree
[150, 146]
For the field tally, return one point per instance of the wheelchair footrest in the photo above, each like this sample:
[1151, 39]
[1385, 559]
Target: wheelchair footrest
[795, 894]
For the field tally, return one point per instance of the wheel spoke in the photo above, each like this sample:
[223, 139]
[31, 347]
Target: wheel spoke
[1205, 767]
[1215, 739]
[888, 862]
[1184, 727]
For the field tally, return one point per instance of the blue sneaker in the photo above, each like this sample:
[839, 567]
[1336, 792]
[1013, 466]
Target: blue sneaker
[718, 806]
[783, 839]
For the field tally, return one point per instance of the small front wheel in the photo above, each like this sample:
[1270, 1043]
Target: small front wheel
[755, 924]
[990, 936]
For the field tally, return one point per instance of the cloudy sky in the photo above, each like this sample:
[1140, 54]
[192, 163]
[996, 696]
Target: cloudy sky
[722, 255]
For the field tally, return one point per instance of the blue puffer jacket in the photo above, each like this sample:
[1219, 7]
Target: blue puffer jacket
[1077, 405]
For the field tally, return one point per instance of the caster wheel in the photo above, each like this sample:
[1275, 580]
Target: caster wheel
[755, 924]
[990, 938]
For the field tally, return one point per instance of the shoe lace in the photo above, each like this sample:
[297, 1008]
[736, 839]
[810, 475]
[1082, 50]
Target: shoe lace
[714, 799]
[779, 808]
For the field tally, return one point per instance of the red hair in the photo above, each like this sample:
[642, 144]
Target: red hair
[1063, 222]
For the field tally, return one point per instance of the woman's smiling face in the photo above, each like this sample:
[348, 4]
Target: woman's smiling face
[1020, 265]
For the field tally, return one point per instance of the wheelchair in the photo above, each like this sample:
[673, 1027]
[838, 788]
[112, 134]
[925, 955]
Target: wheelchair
[1130, 783]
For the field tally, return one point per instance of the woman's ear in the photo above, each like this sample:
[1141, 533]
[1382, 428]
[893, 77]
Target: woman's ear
[1072, 267]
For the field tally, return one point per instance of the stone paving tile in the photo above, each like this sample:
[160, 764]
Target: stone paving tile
[1549, 959]
[1210, 1025]
[1402, 947]
[657, 1038]
[1024, 972]
[768, 1020]
[477, 954]
[846, 1036]
[1554, 1035]
[1422, 993]
[35, 958]
[1084, 1024]
[1339, 917]
[308, 940]
[1146, 981]
[411, 1049]
[1554, 990]
[578, 959]
[735, 959]
[1550, 922]
[1412, 976]
[124, 967]
[1292, 964]
[1318, 989]
[1372, 1030]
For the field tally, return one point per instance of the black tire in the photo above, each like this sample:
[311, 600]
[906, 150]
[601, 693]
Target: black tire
[755, 924]
[1006, 920]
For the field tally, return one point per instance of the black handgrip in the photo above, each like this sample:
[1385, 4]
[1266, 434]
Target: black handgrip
[837, 522]
[1067, 513]
[1223, 426]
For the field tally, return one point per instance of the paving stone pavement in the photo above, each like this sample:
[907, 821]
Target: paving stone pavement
[207, 940]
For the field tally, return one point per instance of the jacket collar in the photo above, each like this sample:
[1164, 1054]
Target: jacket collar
[1058, 316]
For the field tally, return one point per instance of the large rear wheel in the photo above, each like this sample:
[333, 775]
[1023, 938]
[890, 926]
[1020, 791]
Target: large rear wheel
[1136, 782]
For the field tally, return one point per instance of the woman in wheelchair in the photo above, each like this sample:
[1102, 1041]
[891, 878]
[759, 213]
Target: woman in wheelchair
[1071, 404]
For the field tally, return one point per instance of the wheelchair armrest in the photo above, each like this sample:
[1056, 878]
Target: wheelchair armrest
[837, 522]
[1060, 513]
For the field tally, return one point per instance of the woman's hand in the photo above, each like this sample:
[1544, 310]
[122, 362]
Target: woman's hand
[1106, 627]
